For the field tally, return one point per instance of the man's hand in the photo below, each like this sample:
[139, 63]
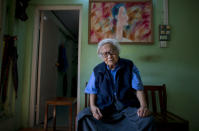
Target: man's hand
[143, 112]
[96, 112]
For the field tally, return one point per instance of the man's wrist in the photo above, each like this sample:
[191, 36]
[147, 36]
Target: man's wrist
[93, 105]
[144, 106]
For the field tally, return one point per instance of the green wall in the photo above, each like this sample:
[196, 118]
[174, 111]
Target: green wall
[176, 66]
[183, 54]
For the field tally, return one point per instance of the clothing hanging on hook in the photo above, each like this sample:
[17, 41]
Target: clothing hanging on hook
[9, 59]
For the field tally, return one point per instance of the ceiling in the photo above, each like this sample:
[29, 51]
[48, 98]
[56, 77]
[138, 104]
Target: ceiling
[69, 19]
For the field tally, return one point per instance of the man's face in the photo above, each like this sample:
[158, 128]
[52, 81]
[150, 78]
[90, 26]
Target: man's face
[109, 55]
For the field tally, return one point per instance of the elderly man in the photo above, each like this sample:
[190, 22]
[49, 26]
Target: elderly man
[117, 101]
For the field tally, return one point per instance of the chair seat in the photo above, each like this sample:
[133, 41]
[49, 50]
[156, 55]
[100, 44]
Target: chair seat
[170, 122]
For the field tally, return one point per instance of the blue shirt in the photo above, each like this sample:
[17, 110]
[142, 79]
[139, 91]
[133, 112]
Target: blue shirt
[136, 80]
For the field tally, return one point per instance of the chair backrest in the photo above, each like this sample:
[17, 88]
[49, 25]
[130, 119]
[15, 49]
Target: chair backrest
[87, 99]
[156, 97]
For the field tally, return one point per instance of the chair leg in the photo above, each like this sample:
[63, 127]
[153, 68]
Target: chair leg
[54, 118]
[70, 117]
[46, 118]
[75, 115]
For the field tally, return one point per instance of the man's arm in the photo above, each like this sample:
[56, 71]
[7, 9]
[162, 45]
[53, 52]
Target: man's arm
[94, 109]
[143, 111]
[138, 86]
[91, 89]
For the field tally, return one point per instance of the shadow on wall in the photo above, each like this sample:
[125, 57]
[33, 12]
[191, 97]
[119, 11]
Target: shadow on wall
[150, 58]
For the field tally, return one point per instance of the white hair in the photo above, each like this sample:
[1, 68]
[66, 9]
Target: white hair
[113, 42]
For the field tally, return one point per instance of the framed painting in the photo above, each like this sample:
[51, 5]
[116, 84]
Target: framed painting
[129, 22]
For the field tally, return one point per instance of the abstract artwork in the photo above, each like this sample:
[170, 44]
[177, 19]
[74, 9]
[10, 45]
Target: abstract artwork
[129, 22]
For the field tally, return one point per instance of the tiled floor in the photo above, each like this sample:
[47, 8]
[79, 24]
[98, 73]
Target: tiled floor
[32, 129]
[41, 129]
[61, 121]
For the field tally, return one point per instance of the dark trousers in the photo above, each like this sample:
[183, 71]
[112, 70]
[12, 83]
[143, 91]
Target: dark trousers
[126, 120]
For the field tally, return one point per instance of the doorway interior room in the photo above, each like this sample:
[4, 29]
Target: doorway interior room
[57, 64]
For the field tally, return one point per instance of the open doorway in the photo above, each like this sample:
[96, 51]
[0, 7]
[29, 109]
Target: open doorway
[55, 59]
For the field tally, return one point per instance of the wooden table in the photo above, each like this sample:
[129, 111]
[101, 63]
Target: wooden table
[59, 101]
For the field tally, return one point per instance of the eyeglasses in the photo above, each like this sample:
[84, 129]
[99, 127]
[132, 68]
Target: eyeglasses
[106, 54]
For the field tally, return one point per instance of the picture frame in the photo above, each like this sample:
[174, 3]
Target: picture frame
[130, 22]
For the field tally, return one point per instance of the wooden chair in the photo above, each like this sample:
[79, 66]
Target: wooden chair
[87, 99]
[157, 101]
[61, 101]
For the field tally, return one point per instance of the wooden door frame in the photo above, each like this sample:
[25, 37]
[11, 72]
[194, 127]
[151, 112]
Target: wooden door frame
[35, 51]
